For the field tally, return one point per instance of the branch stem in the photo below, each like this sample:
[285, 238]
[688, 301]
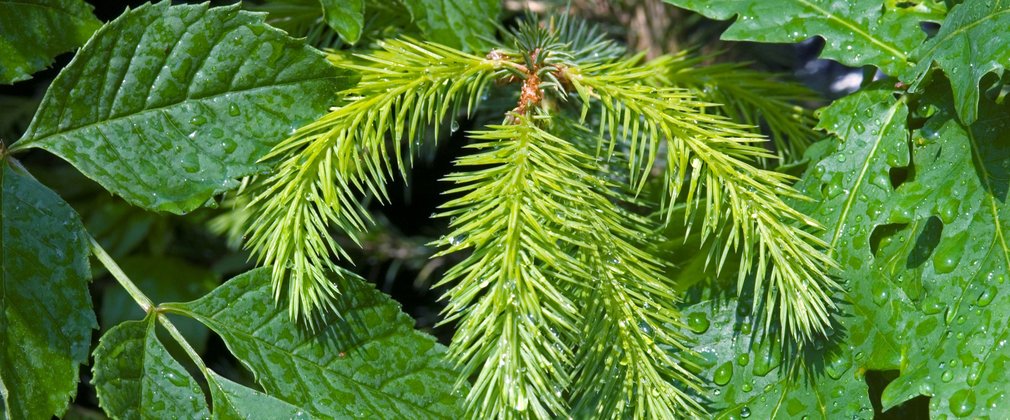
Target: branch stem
[143, 301]
[121, 277]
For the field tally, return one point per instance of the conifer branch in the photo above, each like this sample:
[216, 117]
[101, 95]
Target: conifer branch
[573, 248]
[405, 87]
[710, 165]
[515, 321]
[749, 97]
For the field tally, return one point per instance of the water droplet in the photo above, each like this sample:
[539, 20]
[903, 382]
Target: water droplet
[747, 387]
[745, 412]
[987, 295]
[198, 120]
[453, 126]
[743, 359]
[723, 374]
[697, 322]
[880, 293]
[837, 365]
[233, 110]
[962, 403]
[947, 376]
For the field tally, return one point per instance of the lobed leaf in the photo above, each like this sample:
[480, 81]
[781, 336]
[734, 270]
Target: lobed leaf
[969, 46]
[369, 363]
[45, 312]
[754, 375]
[166, 106]
[849, 190]
[956, 339]
[136, 377]
[856, 32]
[35, 31]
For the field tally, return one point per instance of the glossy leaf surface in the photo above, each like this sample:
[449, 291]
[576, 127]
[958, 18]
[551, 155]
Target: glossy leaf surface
[370, 364]
[856, 32]
[33, 32]
[347, 17]
[456, 23]
[167, 106]
[45, 309]
[971, 43]
[762, 379]
[136, 378]
[234, 401]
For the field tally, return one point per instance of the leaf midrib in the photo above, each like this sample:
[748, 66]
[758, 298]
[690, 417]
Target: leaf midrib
[958, 31]
[27, 141]
[857, 186]
[858, 30]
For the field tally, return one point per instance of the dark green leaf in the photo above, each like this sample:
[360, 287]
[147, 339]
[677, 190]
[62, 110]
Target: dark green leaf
[370, 364]
[346, 17]
[135, 377]
[166, 106]
[923, 247]
[33, 32]
[849, 189]
[456, 23]
[234, 401]
[856, 32]
[972, 43]
[957, 343]
[761, 380]
[45, 310]
[163, 279]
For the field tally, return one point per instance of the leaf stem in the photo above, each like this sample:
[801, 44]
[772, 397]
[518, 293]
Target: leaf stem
[190, 351]
[121, 277]
[144, 302]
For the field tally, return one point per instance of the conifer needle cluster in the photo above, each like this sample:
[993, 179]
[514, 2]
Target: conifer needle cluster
[562, 303]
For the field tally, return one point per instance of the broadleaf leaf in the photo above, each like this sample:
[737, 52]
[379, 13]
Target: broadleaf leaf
[45, 310]
[969, 46]
[856, 32]
[135, 377]
[371, 363]
[166, 106]
[34, 32]
[754, 376]
[347, 17]
[456, 23]
[848, 189]
[234, 401]
[958, 354]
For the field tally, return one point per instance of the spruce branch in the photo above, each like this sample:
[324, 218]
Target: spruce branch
[405, 87]
[550, 246]
[515, 321]
[749, 97]
[710, 165]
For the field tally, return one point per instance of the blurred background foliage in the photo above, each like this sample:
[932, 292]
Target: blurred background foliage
[177, 258]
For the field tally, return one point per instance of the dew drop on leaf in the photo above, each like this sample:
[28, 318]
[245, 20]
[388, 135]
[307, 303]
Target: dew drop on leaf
[962, 403]
[946, 376]
[837, 365]
[743, 359]
[987, 295]
[723, 373]
[697, 322]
